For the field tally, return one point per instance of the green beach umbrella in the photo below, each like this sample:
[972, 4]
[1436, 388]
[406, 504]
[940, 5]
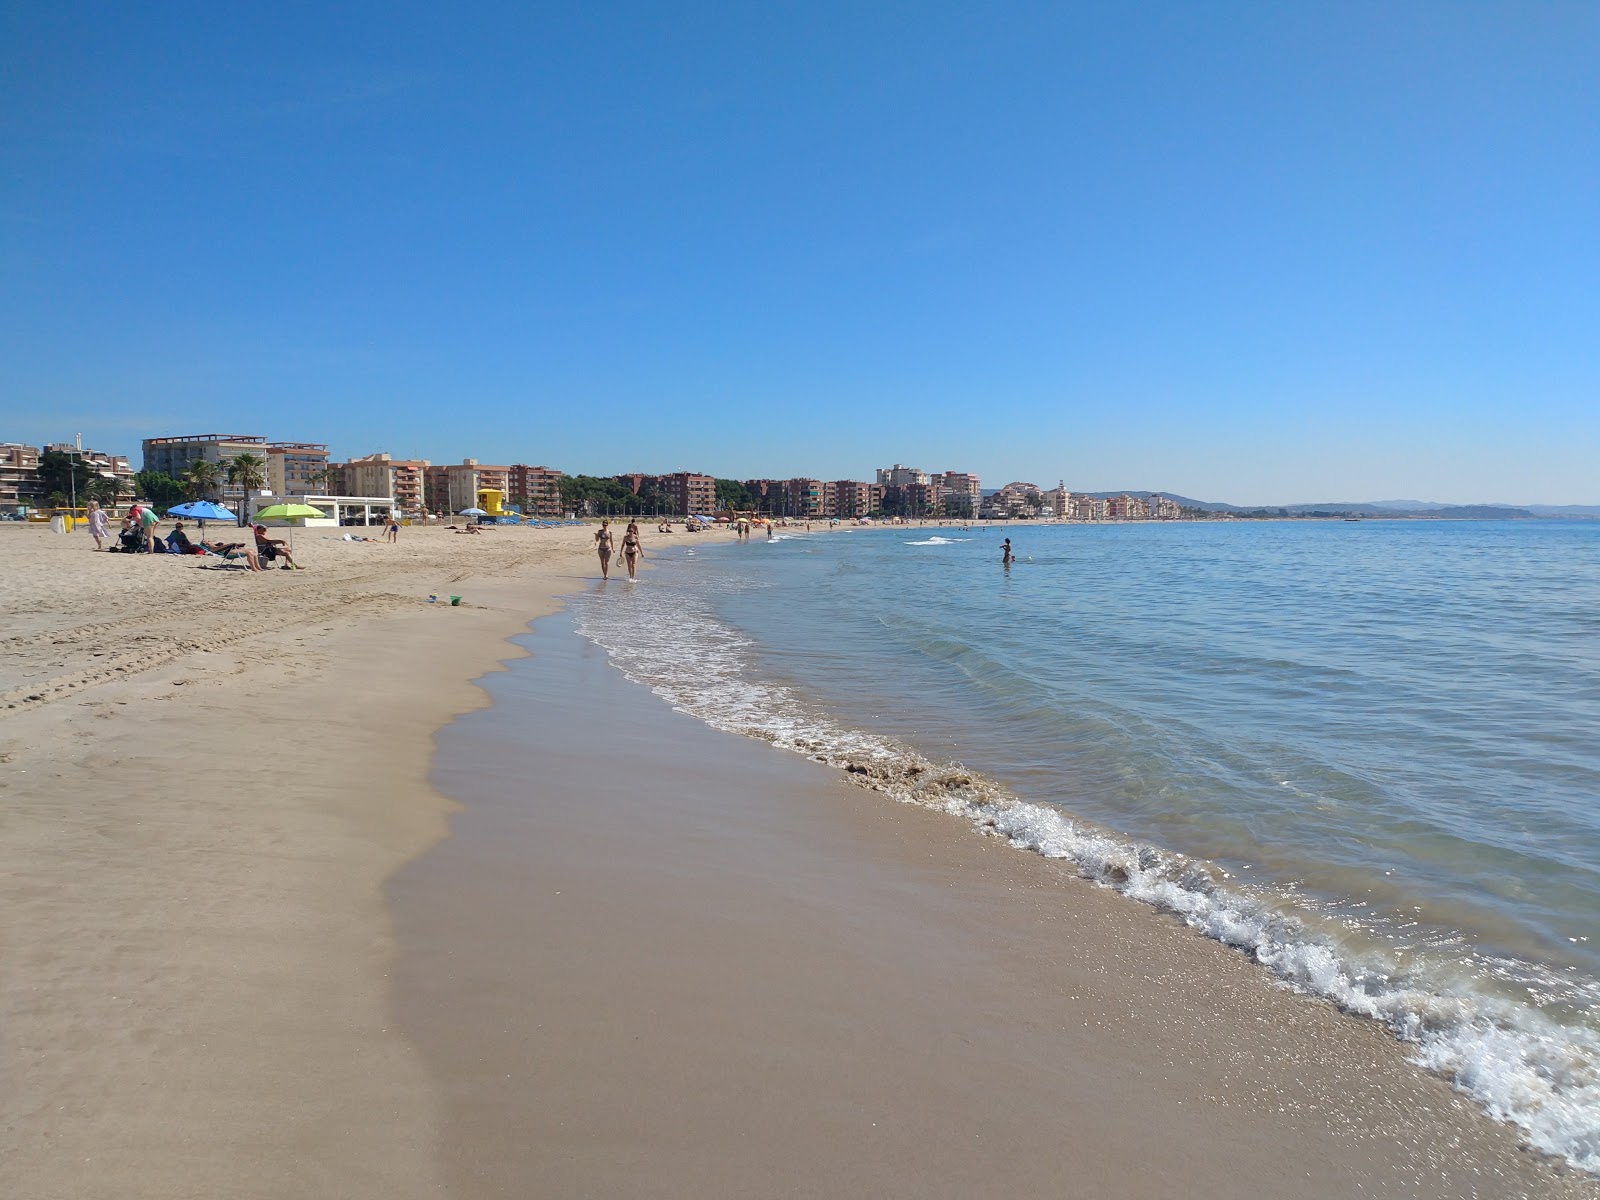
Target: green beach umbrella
[288, 512]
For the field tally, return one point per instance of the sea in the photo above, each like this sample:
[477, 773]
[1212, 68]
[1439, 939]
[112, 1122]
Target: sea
[1365, 754]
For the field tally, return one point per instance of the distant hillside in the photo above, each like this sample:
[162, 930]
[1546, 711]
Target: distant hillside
[1578, 512]
[1449, 512]
[1427, 509]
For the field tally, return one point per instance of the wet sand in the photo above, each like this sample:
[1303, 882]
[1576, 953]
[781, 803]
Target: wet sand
[655, 959]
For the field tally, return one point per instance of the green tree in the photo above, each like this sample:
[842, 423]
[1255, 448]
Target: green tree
[159, 488]
[732, 494]
[65, 473]
[201, 478]
[249, 473]
[107, 490]
[591, 495]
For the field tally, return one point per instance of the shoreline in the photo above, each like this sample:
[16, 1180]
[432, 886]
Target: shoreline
[203, 966]
[667, 959]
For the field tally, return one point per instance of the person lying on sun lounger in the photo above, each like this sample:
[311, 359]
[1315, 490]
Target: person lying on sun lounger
[233, 550]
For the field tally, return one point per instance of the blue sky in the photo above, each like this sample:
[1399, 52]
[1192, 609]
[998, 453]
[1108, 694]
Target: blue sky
[1262, 253]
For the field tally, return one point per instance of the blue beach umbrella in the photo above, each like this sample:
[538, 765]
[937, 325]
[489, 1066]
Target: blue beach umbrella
[202, 511]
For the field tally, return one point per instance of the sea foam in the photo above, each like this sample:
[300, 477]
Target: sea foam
[1520, 1064]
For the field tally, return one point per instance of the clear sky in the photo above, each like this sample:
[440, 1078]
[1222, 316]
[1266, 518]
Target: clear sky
[1262, 253]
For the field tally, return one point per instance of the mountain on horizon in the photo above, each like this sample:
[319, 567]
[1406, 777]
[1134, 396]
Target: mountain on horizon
[1382, 508]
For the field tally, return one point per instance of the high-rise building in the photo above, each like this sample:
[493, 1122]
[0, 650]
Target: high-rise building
[916, 500]
[766, 495]
[381, 475]
[853, 498]
[963, 493]
[692, 494]
[898, 476]
[805, 499]
[172, 456]
[454, 487]
[537, 489]
[299, 469]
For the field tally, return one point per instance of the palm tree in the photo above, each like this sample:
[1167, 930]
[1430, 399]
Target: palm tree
[247, 472]
[201, 477]
[107, 490]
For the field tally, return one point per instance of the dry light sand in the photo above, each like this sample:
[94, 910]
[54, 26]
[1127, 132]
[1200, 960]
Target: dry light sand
[237, 959]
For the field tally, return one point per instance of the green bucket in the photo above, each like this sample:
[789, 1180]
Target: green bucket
[455, 601]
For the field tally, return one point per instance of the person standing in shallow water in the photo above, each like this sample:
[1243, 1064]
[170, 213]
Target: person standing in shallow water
[602, 543]
[632, 547]
[1006, 557]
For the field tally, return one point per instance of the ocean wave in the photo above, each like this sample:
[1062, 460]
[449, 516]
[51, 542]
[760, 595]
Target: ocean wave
[939, 541]
[1537, 1069]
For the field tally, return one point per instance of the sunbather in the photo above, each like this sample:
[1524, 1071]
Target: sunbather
[233, 550]
[178, 541]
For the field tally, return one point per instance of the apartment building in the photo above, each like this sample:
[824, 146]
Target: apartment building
[915, 500]
[1089, 508]
[1057, 502]
[852, 498]
[898, 476]
[19, 476]
[692, 494]
[298, 469]
[963, 493]
[109, 466]
[172, 456]
[537, 489]
[1016, 499]
[454, 487]
[806, 499]
[765, 494]
[383, 475]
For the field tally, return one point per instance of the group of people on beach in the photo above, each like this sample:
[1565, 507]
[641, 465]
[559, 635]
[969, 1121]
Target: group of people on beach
[139, 535]
[632, 548]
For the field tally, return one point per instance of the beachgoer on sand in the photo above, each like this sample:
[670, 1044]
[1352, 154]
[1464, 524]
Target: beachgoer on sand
[97, 525]
[147, 523]
[392, 533]
[232, 550]
[274, 548]
[602, 544]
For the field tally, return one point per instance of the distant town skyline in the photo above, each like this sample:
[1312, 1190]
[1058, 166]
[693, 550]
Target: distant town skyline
[1257, 255]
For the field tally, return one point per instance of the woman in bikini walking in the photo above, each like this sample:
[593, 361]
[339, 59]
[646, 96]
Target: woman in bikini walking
[632, 547]
[602, 543]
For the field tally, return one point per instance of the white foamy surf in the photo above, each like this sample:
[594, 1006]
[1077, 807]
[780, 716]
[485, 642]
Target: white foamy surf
[1476, 1021]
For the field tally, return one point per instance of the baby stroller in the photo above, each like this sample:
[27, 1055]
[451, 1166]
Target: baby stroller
[130, 541]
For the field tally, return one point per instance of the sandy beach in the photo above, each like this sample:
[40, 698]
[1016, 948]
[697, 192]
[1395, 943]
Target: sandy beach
[278, 924]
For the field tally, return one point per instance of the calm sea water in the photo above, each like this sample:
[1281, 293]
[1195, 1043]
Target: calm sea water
[1367, 754]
